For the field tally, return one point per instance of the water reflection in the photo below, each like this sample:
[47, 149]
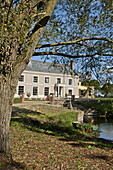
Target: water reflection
[106, 131]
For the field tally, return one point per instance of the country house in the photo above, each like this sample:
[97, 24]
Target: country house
[41, 79]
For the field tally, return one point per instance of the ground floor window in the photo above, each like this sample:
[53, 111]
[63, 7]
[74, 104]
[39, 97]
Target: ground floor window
[35, 91]
[70, 92]
[46, 91]
[20, 90]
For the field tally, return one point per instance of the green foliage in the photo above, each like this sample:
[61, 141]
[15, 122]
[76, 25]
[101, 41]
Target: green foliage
[89, 127]
[28, 94]
[104, 107]
[107, 90]
[94, 83]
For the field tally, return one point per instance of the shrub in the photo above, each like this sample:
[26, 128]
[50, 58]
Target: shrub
[103, 107]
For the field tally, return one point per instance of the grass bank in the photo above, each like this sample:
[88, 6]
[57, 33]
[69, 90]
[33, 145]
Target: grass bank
[42, 137]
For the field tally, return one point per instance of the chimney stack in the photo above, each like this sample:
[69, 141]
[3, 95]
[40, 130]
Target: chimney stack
[72, 64]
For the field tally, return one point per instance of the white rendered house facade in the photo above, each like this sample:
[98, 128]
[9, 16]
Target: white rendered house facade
[42, 79]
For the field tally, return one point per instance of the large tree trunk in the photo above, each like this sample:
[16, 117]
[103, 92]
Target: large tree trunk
[13, 61]
[7, 89]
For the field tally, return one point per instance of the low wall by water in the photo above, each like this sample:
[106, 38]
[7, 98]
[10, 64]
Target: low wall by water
[81, 116]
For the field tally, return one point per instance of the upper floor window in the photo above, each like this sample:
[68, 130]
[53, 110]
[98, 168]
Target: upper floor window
[58, 80]
[35, 79]
[21, 78]
[70, 81]
[46, 79]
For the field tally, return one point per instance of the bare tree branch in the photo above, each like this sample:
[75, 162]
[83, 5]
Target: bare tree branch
[74, 42]
[9, 10]
[69, 56]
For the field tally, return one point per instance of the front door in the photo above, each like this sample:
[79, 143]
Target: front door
[58, 92]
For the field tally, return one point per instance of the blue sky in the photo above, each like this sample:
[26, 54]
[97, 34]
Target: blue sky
[70, 29]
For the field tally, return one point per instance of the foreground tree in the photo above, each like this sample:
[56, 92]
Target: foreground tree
[22, 26]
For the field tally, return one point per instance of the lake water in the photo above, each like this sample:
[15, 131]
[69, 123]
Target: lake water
[105, 127]
[106, 131]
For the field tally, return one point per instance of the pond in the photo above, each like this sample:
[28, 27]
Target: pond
[105, 127]
[106, 130]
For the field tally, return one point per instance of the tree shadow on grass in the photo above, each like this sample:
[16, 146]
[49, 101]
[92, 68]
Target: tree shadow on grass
[57, 129]
[14, 166]
[92, 142]
[18, 166]
[21, 111]
[48, 127]
[101, 157]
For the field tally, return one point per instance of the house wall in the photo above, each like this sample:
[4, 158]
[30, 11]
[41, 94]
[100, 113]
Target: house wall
[63, 86]
[87, 92]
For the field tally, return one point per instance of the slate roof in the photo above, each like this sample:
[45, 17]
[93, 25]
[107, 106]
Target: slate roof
[49, 67]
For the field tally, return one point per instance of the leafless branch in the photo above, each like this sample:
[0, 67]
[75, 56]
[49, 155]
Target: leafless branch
[69, 56]
[74, 42]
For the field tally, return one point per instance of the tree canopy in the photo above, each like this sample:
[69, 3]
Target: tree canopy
[79, 29]
[87, 28]
[94, 83]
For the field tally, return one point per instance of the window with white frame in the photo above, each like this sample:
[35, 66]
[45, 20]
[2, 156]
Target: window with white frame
[21, 78]
[70, 91]
[20, 90]
[58, 80]
[35, 79]
[35, 91]
[46, 79]
[70, 81]
[46, 91]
